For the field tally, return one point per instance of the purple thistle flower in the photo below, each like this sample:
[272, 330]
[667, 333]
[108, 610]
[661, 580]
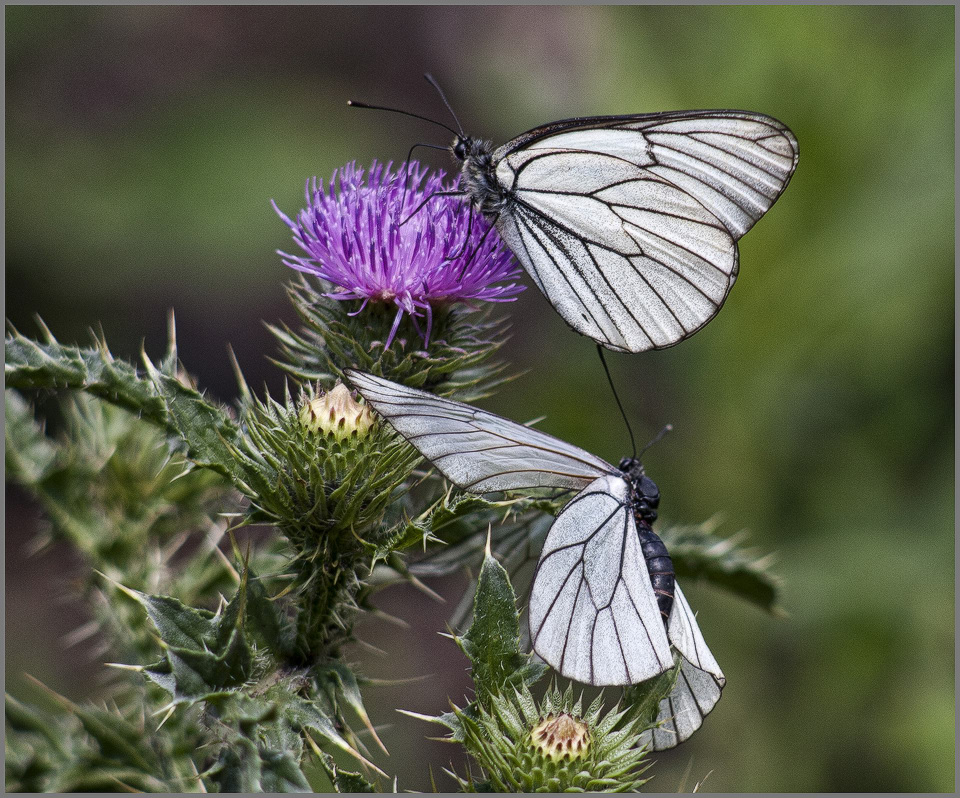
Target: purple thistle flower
[353, 237]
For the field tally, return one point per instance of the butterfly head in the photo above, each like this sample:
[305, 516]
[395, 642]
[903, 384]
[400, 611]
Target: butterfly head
[646, 494]
[467, 147]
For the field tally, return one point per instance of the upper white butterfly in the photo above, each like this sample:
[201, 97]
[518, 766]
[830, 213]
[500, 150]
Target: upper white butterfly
[629, 224]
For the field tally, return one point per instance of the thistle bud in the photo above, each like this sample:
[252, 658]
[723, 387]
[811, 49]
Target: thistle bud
[336, 413]
[561, 736]
[553, 745]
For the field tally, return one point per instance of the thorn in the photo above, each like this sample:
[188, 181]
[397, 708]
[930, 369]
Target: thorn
[424, 589]
[386, 616]
[171, 333]
[241, 380]
[396, 682]
[47, 334]
[167, 716]
[82, 633]
[419, 716]
[226, 561]
[122, 666]
[373, 732]
[370, 647]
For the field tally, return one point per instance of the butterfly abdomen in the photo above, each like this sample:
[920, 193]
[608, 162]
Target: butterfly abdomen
[659, 566]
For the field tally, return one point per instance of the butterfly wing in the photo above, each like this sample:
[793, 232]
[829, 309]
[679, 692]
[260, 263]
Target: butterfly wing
[698, 685]
[593, 613]
[629, 224]
[478, 451]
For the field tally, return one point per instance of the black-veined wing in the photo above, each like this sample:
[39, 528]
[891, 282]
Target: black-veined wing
[593, 614]
[478, 451]
[629, 224]
[698, 686]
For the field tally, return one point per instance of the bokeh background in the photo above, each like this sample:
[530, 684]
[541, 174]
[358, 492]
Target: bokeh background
[143, 146]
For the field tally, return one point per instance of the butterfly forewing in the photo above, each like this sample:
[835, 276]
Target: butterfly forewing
[593, 613]
[629, 224]
[478, 451]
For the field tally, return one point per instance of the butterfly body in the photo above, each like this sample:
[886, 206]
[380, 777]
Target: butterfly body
[478, 176]
[629, 224]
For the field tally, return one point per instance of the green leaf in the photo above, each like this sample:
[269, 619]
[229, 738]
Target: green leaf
[304, 714]
[344, 780]
[178, 625]
[238, 770]
[340, 682]
[31, 365]
[493, 641]
[29, 455]
[698, 553]
[29, 720]
[206, 674]
[117, 738]
[205, 653]
[280, 772]
[204, 427]
[642, 701]
[158, 397]
[265, 619]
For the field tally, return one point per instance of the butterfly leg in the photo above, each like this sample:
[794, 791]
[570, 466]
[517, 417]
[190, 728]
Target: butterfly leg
[456, 193]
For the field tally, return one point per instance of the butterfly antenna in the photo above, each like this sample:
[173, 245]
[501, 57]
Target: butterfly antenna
[355, 104]
[616, 396]
[666, 428]
[433, 82]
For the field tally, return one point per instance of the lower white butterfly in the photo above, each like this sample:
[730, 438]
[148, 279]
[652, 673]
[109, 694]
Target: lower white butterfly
[604, 606]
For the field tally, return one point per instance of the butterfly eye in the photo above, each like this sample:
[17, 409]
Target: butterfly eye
[460, 149]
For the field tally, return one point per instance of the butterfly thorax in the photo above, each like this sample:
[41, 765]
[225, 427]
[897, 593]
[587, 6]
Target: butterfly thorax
[644, 492]
[478, 176]
[645, 498]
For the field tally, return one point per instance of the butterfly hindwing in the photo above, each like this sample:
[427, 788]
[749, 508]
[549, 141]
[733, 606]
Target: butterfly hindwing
[685, 635]
[593, 613]
[681, 713]
[698, 686]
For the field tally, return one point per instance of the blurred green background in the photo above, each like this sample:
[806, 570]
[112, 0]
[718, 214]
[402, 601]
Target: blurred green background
[144, 144]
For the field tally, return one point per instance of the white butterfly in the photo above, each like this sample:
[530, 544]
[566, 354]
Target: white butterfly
[594, 613]
[629, 224]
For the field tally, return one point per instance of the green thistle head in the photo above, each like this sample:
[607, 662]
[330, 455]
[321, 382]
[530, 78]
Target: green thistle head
[553, 746]
[322, 470]
[456, 361]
